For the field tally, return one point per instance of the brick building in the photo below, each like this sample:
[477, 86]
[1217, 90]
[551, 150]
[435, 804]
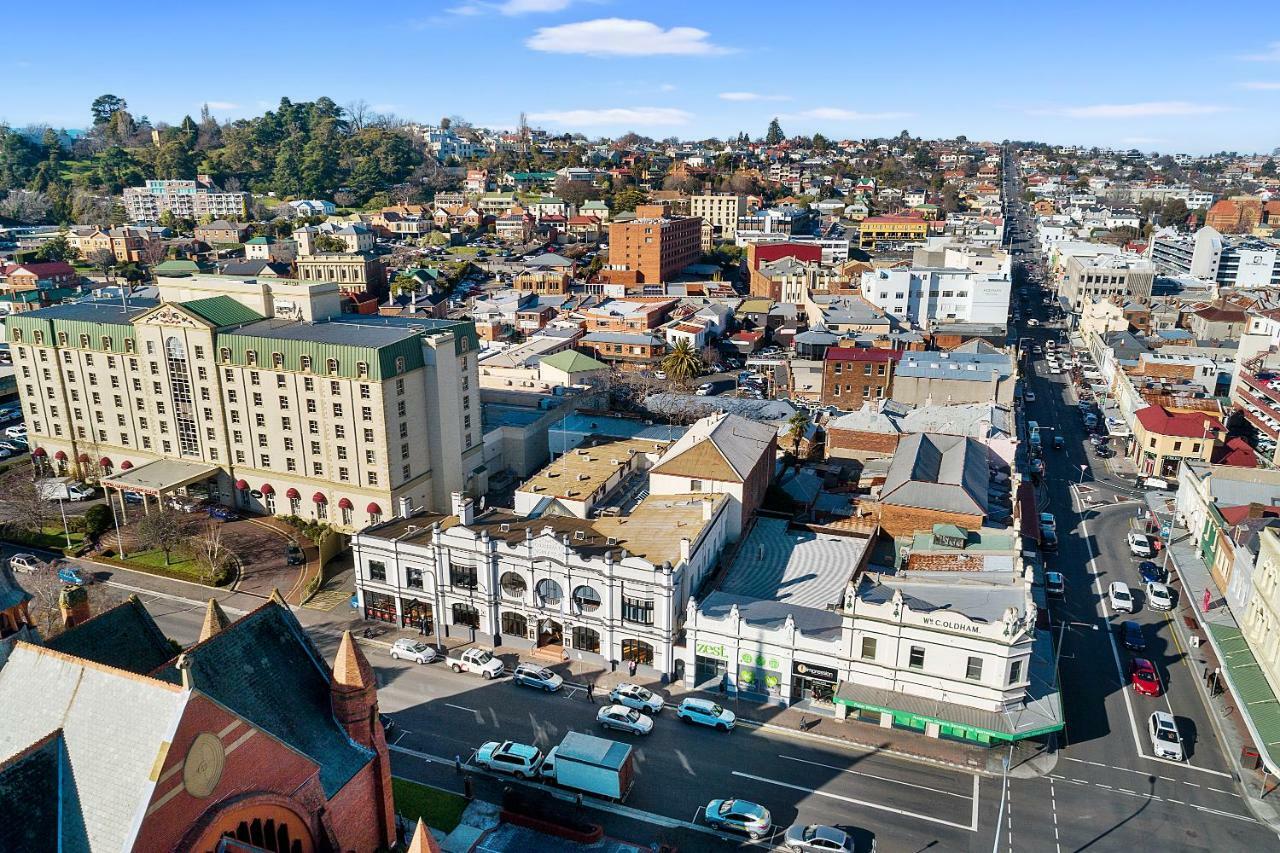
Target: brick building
[854, 375]
[655, 245]
[936, 479]
[246, 737]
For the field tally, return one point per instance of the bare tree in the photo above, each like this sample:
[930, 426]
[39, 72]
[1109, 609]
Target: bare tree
[101, 259]
[21, 506]
[26, 206]
[163, 529]
[357, 113]
[211, 553]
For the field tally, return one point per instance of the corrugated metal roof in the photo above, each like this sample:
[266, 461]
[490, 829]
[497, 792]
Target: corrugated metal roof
[1249, 683]
[222, 311]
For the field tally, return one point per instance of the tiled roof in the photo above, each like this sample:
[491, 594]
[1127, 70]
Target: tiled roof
[125, 637]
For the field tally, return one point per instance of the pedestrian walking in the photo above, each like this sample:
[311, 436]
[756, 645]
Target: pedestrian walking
[422, 627]
[631, 668]
[591, 693]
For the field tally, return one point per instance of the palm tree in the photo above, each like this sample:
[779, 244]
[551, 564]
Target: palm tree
[683, 362]
[799, 424]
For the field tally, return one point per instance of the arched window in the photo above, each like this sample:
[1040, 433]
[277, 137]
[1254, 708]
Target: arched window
[305, 362]
[331, 366]
[106, 343]
[173, 347]
[586, 640]
[513, 585]
[638, 651]
[251, 356]
[40, 338]
[399, 364]
[548, 591]
[224, 355]
[84, 342]
[362, 369]
[277, 360]
[514, 625]
[465, 614]
[586, 599]
[62, 339]
[15, 334]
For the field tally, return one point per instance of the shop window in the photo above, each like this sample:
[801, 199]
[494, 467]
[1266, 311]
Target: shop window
[514, 625]
[465, 614]
[586, 640]
[638, 651]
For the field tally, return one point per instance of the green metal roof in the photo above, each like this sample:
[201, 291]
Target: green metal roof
[1254, 694]
[222, 311]
[171, 268]
[572, 361]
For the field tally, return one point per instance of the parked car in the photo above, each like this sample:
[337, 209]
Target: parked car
[388, 724]
[1120, 598]
[1029, 396]
[1150, 572]
[75, 575]
[1155, 483]
[1140, 544]
[223, 513]
[519, 759]
[478, 660]
[1048, 540]
[19, 431]
[25, 563]
[1143, 677]
[635, 696]
[623, 719]
[293, 555]
[1159, 597]
[707, 713]
[1131, 636]
[532, 675]
[705, 389]
[751, 819]
[816, 838]
[1059, 442]
[1166, 742]
[1048, 521]
[414, 650]
[1055, 584]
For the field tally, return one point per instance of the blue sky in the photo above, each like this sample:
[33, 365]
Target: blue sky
[1132, 75]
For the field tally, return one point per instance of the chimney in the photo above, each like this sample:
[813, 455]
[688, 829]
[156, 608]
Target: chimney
[184, 666]
[73, 602]
[406, 506]
[463, 508]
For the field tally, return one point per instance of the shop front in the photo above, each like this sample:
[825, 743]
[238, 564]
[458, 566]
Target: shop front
[417, 615]
[380, 606]
[711, 666]
[760, 674]
[814, 682]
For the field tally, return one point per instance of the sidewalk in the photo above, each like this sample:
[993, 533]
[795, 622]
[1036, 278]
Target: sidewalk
[805, 719]
[1192, 578]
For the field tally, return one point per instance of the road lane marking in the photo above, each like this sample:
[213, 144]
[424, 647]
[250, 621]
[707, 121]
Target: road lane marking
[460, 708]
[1228, 793]
[1244, 818]
[853, 801]
[874, 776]
[973, 820]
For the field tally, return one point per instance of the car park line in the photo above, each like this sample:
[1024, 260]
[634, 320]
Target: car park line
[972, 826]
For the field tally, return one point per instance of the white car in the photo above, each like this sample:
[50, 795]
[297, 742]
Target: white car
[706, 713]
[518, 759]
[1166, 742]
[704, 390]
[1159, 597]
[1140, 544]
[623, 719]
[25, 563]
[1029, 396]
[1049, 521]
[413, 650]
[19, 431]
[637, 697]
[1120, 598]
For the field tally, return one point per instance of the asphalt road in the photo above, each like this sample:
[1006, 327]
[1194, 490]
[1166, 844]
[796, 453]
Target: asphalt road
[1108, 791]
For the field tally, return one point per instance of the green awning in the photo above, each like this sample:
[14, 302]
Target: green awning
[1254, 694]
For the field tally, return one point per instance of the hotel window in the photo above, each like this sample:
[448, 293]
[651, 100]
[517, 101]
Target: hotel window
[308, 384]
[378, 571]
[362, 369]
[331, 366]
[335, 388]
[337, 410]
[405, 472]
[366, 413]
[342, 453]
[305, 363]
[280, 381]
[373, 478]
[344, 474]
[1015, 672]
[365, 392]
[973, 669]
[339, 431]
[253, 377]
[638, 610]
[317, 468]
[868, 648]
[277, 360]
[916, 659]
[224, 355]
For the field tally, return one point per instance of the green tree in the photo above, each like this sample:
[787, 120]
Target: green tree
[330, 243]
[55, 249]
[798, 424]
[683, 362]
[98, 520]
[774, 134]
[104, 107]
[627, 199]
[820, 143]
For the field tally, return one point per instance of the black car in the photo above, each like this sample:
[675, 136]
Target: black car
[1131, 636]
[293, 555]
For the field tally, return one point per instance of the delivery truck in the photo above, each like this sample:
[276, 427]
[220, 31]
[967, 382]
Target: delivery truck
[63, 489]
[590, 764]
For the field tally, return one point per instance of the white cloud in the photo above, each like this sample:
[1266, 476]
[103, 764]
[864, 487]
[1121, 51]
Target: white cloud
[667, 87]
[615, 116]
[623, 37]
[841, 114]
[525, 7]
[1261, 85]
[1271, 54]
[752, 96]
[465, 11]
[1146, 109]
[221, 105]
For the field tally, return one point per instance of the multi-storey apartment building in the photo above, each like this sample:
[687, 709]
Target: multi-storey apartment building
[1123, 276]
[925, 297]
[1229, 261]
[345, 418]
[891, 229]
[654, 246]
[188, 199]
[720, 211]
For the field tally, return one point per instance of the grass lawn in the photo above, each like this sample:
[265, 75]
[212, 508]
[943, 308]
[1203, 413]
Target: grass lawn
[51, 538]
[440, 810]
[467, 251]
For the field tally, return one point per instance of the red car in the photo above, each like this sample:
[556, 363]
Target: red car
[1142, 674]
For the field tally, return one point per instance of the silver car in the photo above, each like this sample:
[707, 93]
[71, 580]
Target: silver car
[623, 719]
[816, 838]
[635, 696]
[25, 563]
[413, 650]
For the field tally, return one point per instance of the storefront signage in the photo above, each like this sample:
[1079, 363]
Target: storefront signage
[712, 650]
[757, 679]
[948, 625]
[759, 660]
[808, 670]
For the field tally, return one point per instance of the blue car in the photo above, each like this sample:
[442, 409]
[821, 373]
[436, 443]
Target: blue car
[222, 513]
[74, 575]
[1150, 572]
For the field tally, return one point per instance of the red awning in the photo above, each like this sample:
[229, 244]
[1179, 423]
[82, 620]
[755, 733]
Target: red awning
[292, 494]
[345, 503]
[267, 489]
[319, 498]
[104, 462]
[126, 465]
[242, 485]
[39, 453]
[60, 455]
[373, 509]
[83, 458]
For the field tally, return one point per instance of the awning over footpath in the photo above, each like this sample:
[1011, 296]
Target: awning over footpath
[1040, 714]
[160, 477]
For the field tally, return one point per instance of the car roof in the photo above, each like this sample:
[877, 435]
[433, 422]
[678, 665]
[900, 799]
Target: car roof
[1119, 585]
[523, 750]
[830, 833]
[1164, 718]
[705, 704]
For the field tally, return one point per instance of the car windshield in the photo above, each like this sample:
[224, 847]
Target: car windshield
[1144, 675]
[418, 647]
[715, 710]
[726, 806]
[484, 657]
[1121, 594]
[1166, 735]
[546, 674]
[632, 716]
[641, 694]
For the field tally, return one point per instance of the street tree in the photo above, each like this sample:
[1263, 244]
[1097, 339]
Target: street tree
[211, 554]
[163, 529]
[683, 362]
[774, 134]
